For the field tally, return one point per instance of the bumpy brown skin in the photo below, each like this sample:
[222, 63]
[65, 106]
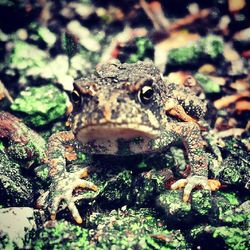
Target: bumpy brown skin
[112, 115]
[23, 143]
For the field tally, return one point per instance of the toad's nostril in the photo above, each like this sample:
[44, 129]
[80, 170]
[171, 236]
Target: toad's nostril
[119, 99]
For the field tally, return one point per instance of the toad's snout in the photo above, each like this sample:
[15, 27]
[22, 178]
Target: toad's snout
[108, 105]
[114, 115]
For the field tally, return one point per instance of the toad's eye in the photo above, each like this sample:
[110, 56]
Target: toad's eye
[75, 97]
[145, 95]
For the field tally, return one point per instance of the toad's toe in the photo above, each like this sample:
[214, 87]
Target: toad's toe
[179, 184]
[195, 181]
[87, 184]
[214, 184]
[75, 213]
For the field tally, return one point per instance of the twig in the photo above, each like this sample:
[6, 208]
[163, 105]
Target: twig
[189, 19]
[5, 93]
[156, 15]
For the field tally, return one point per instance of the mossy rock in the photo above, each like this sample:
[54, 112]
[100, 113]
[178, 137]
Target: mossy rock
[41, 105]
[207, 48]
[133, 229]
[16, 189]
[224, 237]
[61, 235]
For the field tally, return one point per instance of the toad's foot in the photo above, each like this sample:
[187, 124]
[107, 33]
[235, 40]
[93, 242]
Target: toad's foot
[61, 189]
[214, 184]
[191, 182]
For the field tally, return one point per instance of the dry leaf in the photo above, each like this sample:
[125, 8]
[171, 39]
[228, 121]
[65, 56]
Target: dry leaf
[241, 84]
[189, 19]
[178, 77]
[242, 35]
[155, 13]
[227, 100]
[230, 53]
[242, 105]
[207, 69]
[219, 80]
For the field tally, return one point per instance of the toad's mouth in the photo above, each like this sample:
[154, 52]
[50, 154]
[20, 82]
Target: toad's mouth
[113, 131]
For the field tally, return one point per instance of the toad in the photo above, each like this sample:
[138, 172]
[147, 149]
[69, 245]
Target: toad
[126, 109]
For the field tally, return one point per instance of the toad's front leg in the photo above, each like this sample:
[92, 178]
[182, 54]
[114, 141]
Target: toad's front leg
[189, 133]
[63, 183]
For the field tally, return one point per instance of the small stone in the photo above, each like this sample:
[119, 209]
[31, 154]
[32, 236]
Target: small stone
[83, 10]
[84, 35]
[47, 36]
[22, 34]
[16, 226]
[235, 6]
[26, 56]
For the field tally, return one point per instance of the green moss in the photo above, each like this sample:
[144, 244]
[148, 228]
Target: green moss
[62, 235]
[208, 85]
[42, 172]
[179, 158]
[207, 48]
[212, 46]
[229, 211]
[232, 199]
[225, 237]
[16, 189]
[81, 156]
[41, 104]
[223, 203]
[236, 164]
[201, 202]
[117, 190]
[173, 206]
[142, 164]
[144, 49]
[231, 175]
[182, 56]
[235, 238]
[147, 187]
[1, 146]
[235, 218]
